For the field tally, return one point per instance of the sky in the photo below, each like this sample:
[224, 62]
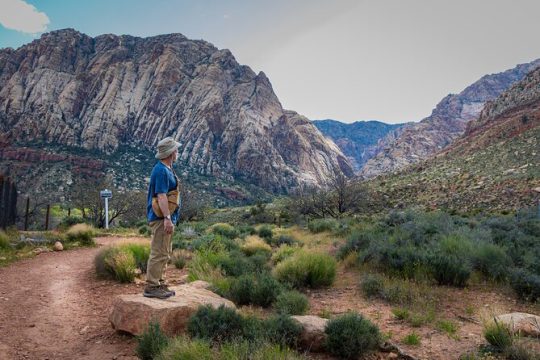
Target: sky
[349, 60]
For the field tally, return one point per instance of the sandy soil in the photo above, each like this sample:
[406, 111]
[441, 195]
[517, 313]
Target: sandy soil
[53, 307]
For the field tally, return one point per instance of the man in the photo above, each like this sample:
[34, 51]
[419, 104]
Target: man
[162, 214]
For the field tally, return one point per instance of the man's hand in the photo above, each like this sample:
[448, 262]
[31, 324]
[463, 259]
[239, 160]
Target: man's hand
[169, 227]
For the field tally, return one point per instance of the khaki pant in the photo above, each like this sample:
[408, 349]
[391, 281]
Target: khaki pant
[160, 253]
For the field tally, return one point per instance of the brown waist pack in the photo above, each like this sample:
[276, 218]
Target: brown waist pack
[173, 199]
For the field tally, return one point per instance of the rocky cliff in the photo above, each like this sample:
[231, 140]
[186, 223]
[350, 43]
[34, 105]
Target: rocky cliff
[494, 165]
[359, 141]
[98, 93]
[447, 122]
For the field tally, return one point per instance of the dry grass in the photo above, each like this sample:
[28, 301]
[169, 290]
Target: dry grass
[253, 243]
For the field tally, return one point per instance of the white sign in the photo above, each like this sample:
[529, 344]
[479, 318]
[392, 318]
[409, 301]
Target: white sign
[106, 194]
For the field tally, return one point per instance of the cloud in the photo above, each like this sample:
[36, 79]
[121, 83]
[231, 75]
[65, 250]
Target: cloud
[21, 16]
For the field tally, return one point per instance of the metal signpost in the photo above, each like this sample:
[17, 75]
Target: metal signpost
[106, 194]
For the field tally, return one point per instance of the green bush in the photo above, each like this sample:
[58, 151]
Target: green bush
[69, 221]
[307, 269]
[260, 289]
[140, 252]
[124, 265]
[399, 293]
[412, 339]
[291, 303]
[4, 241]
[357, 240]
[283, 252]
[449, 269]
[225, 230]
[266, 233]
[492, 261]
[320, 225]
[179, 261]
[351, 335]
[216, 325]
[525, 284]
[372, 286]
[151, 342]
[254, 244]
[498, 335]
[83, 233]
[284, 240]
[282, 330]
[102, 265]
[183, 348]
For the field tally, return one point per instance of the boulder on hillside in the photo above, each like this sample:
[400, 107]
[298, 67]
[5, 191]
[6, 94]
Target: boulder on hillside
[133, 313]
[313, 335]
[58, 246]
[522, 323]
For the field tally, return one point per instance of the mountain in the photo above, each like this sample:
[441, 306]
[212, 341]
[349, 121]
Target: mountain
[446, 123]
[100, 94]
[494, 165]
[359, 141]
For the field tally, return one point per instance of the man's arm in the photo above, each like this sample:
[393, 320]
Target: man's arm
[163, 203]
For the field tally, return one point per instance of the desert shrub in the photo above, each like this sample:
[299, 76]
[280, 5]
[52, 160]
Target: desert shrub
[447, 326]
[216, 325]
[145, 230]
[412, 339]
[246, 230]
[255, 244]
[140, 252]
[492, 261]
[151, 342]
[351, 335]
[266, 233]
[307, 269]
[525, 284]
[320, 225]
[284, 240]
[282, 330]
[399, 293]
[179, 262]
[284, 252]
[204, 266]
[83, 233]
[4, 241]
[357, 240]
[242, 288]
[266, 290]
[498, 335]
[69, 221]
[372, 286]
[401, 313]
[449, 269]
[225, 230]
[183, 348]
[291, 303]
[123, 265]
[261, 289]
[103, 267]
[274, 352]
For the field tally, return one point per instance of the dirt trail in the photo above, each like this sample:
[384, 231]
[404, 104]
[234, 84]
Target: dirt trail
[53, 307]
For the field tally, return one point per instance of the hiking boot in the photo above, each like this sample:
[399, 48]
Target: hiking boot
[156, 292]
[166, 288]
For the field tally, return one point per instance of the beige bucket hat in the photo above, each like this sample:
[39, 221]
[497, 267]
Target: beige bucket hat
[166, 147]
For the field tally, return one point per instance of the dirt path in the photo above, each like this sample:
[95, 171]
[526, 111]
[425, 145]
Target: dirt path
[53, 307]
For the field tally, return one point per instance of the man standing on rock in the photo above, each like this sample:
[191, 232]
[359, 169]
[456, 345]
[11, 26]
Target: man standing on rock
[162, 214]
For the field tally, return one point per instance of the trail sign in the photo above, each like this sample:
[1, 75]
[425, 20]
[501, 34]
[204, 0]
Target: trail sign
[106, 194]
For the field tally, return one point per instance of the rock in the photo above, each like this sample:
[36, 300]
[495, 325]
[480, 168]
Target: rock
[58, 246]
[227, 117]
[200, 284]
[522, 323]
[313, 336]
[133, 313]
[537, 189]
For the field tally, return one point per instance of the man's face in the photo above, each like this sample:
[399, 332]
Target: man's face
[175, 155]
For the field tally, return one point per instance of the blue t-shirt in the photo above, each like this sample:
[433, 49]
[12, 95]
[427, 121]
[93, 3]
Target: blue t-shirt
[162, 181]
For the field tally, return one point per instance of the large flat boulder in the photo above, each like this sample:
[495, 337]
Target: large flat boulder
[133, 313]
[522, 323]
[313, 336]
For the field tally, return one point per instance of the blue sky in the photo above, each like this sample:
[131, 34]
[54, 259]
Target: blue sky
[389, 60]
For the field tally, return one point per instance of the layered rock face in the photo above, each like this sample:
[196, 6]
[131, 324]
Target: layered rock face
[359, 141]
[447, 122]
[97, 93]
